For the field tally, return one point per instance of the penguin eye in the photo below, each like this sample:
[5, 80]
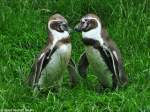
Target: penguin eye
[82, 22]
[86, 20]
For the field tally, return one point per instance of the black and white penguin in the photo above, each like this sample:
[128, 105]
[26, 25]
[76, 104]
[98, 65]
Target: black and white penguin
[47, 71]
[101, 53]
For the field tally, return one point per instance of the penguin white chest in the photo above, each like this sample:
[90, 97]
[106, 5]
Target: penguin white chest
[60, 58]
[56, 66]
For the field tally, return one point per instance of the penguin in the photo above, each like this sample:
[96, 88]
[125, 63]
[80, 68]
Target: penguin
[101, 53]
[47, 70]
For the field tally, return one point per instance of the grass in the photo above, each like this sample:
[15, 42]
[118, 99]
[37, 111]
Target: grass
[23, 33]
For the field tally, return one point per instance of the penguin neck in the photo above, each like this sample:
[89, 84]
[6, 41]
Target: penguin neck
[55, 36]
[94, 34]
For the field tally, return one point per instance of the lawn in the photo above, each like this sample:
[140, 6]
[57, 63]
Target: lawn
[23, 32]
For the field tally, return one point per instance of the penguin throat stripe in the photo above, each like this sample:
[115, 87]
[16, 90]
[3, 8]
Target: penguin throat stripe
[91, 42]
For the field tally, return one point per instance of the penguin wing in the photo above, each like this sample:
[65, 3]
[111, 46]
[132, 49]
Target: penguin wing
[39, 65]
[122, 77]
[116, 56]
[112, 62]
[83, 65]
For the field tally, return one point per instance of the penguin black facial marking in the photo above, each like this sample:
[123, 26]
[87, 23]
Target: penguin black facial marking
[86, 25]
[92, 23]
[59, 26]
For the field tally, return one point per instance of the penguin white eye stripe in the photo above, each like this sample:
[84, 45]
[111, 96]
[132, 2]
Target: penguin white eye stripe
[63, 22]
[89, 18]
[55, 20]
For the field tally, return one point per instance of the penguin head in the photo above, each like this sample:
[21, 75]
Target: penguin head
[88, 22]
[57, 23]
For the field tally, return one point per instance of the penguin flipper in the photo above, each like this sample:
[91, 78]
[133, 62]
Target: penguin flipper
[72, 72]
[122, 75]
[36, 71]
[39, 65]
[83, 65]
[119, 77]
[113, 64]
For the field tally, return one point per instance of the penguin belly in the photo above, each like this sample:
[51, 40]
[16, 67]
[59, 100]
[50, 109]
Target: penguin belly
[52, 74]
[97, 63]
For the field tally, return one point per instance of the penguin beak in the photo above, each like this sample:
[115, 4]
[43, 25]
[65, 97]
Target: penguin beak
[77, 28]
